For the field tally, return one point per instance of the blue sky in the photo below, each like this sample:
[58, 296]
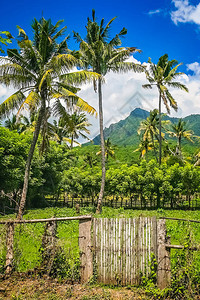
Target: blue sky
[149, 23]
[155, 27]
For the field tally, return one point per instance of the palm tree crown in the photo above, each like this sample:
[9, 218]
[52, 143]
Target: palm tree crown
[180, 131]
[41, 69]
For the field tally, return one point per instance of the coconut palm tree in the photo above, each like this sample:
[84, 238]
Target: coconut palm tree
[73, 122]
[163, 76]
[77, 126]
[28, 123]
[59, 131]
[144, 147]
[149, 128]
[103, 55]
[13, 124]
[180, 131]
[40, 71]
[109, 149]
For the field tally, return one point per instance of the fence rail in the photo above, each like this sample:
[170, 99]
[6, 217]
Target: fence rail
[47, 220]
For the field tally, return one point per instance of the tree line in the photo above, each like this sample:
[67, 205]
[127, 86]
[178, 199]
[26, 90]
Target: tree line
[67, 173]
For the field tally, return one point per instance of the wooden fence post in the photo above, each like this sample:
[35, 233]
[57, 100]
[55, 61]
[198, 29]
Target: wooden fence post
[85, 250]
[9, 246]
[49, 246]
[163, 257]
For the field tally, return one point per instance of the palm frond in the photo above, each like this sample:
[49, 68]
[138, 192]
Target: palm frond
[32, 101]
[147, 86]
[62, 63]
[123, 67]
[22, 33]
[11, 103]
[44, 78]
[77, 37]
[80, 77]
[164, 98]
[172, 101]
[178, 85]
[59, 110]
[86, 107]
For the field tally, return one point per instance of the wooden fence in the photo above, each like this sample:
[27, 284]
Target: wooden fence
[49, 241]
[134, 202]
[118, 251]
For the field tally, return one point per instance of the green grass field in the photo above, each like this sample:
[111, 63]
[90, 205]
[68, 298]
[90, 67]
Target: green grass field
[28, 245]
[28, 238]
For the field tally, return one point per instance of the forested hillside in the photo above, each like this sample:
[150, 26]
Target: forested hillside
[125, 131]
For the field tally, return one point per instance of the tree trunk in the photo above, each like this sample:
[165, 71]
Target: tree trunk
[154, 149]
[103, 163]
[179, 144]
[72, 141]
[29, 159]
[160, 137]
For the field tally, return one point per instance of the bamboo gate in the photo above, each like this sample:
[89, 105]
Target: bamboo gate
[124, 249]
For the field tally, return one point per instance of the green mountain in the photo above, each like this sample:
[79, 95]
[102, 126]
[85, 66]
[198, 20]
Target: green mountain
[125, 131]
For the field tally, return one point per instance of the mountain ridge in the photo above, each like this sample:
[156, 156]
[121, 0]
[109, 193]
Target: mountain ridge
[124, 132]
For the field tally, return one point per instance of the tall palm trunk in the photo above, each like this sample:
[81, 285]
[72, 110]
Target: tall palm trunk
[160, 137]
[179, 142]
[72, 141]
[29, 159]
[103, 162]
[154, 149]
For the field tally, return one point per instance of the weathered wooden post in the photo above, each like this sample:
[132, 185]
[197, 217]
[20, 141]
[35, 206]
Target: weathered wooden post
[9, 246]
[85, 249]
[163, 256]
[49, 246]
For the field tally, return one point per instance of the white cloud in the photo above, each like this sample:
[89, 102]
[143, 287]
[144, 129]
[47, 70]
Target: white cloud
[154, 12]
[185, 12]
[3, 91]
[195, 67]
[122, 93]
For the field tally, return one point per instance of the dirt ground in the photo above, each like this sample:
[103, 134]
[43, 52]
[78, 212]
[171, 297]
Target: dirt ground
[19, 288]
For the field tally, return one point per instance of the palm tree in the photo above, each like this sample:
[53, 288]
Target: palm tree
[90, 159]
[40, 70]
[163, 75]
[13, 124]
[109, 149]
[77, 124]
[104, 55]
[149, 128]
[144, 147]
[28, 123]
[73, 123]
[59, 131]
[180, 131]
